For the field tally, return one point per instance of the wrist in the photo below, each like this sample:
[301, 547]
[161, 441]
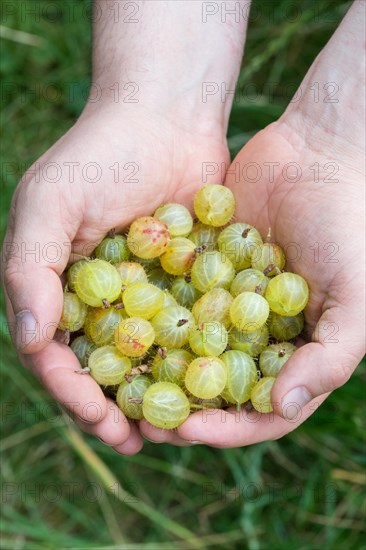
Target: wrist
[157, 66]
[329, 106]
[190, 110]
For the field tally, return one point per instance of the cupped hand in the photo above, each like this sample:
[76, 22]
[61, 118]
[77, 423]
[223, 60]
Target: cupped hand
[303, 177]
[319, 224]
[317, 218]
[112, 166]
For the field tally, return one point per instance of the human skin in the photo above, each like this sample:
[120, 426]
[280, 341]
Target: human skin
[322, 215]
[167, 134]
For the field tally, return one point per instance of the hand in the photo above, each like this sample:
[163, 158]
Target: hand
[74, 213]
[319, 224]
[314, 207]
[147, 152]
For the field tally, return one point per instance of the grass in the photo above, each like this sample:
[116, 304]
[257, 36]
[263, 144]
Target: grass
[62, 489]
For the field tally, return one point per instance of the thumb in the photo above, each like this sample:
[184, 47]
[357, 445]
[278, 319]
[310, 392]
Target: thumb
[35, 253]
[322, 365]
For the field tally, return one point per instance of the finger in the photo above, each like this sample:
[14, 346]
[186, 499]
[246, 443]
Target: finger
[35, 253]
[324, 364]
[36, 310]
[159, 435]
[229, 429]
[113, 429]
[72, 386]
[133, 444]
[56, 367]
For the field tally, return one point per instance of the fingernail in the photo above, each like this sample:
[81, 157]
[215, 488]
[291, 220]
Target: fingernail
[195, 442]
[294, 401]
[26, 328]
[151, 440]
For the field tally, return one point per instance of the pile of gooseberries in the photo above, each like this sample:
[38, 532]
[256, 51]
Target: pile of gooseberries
[183, 314]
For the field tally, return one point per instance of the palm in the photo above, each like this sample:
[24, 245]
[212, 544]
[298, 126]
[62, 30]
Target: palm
[137, 162]
[143, 162]
[305, 217]
[317, 222]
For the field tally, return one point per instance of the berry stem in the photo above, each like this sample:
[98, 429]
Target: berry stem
[269, 268]
[85, 370]
[163, 352]
[141, 369]
[200, 249]
[136, 400]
